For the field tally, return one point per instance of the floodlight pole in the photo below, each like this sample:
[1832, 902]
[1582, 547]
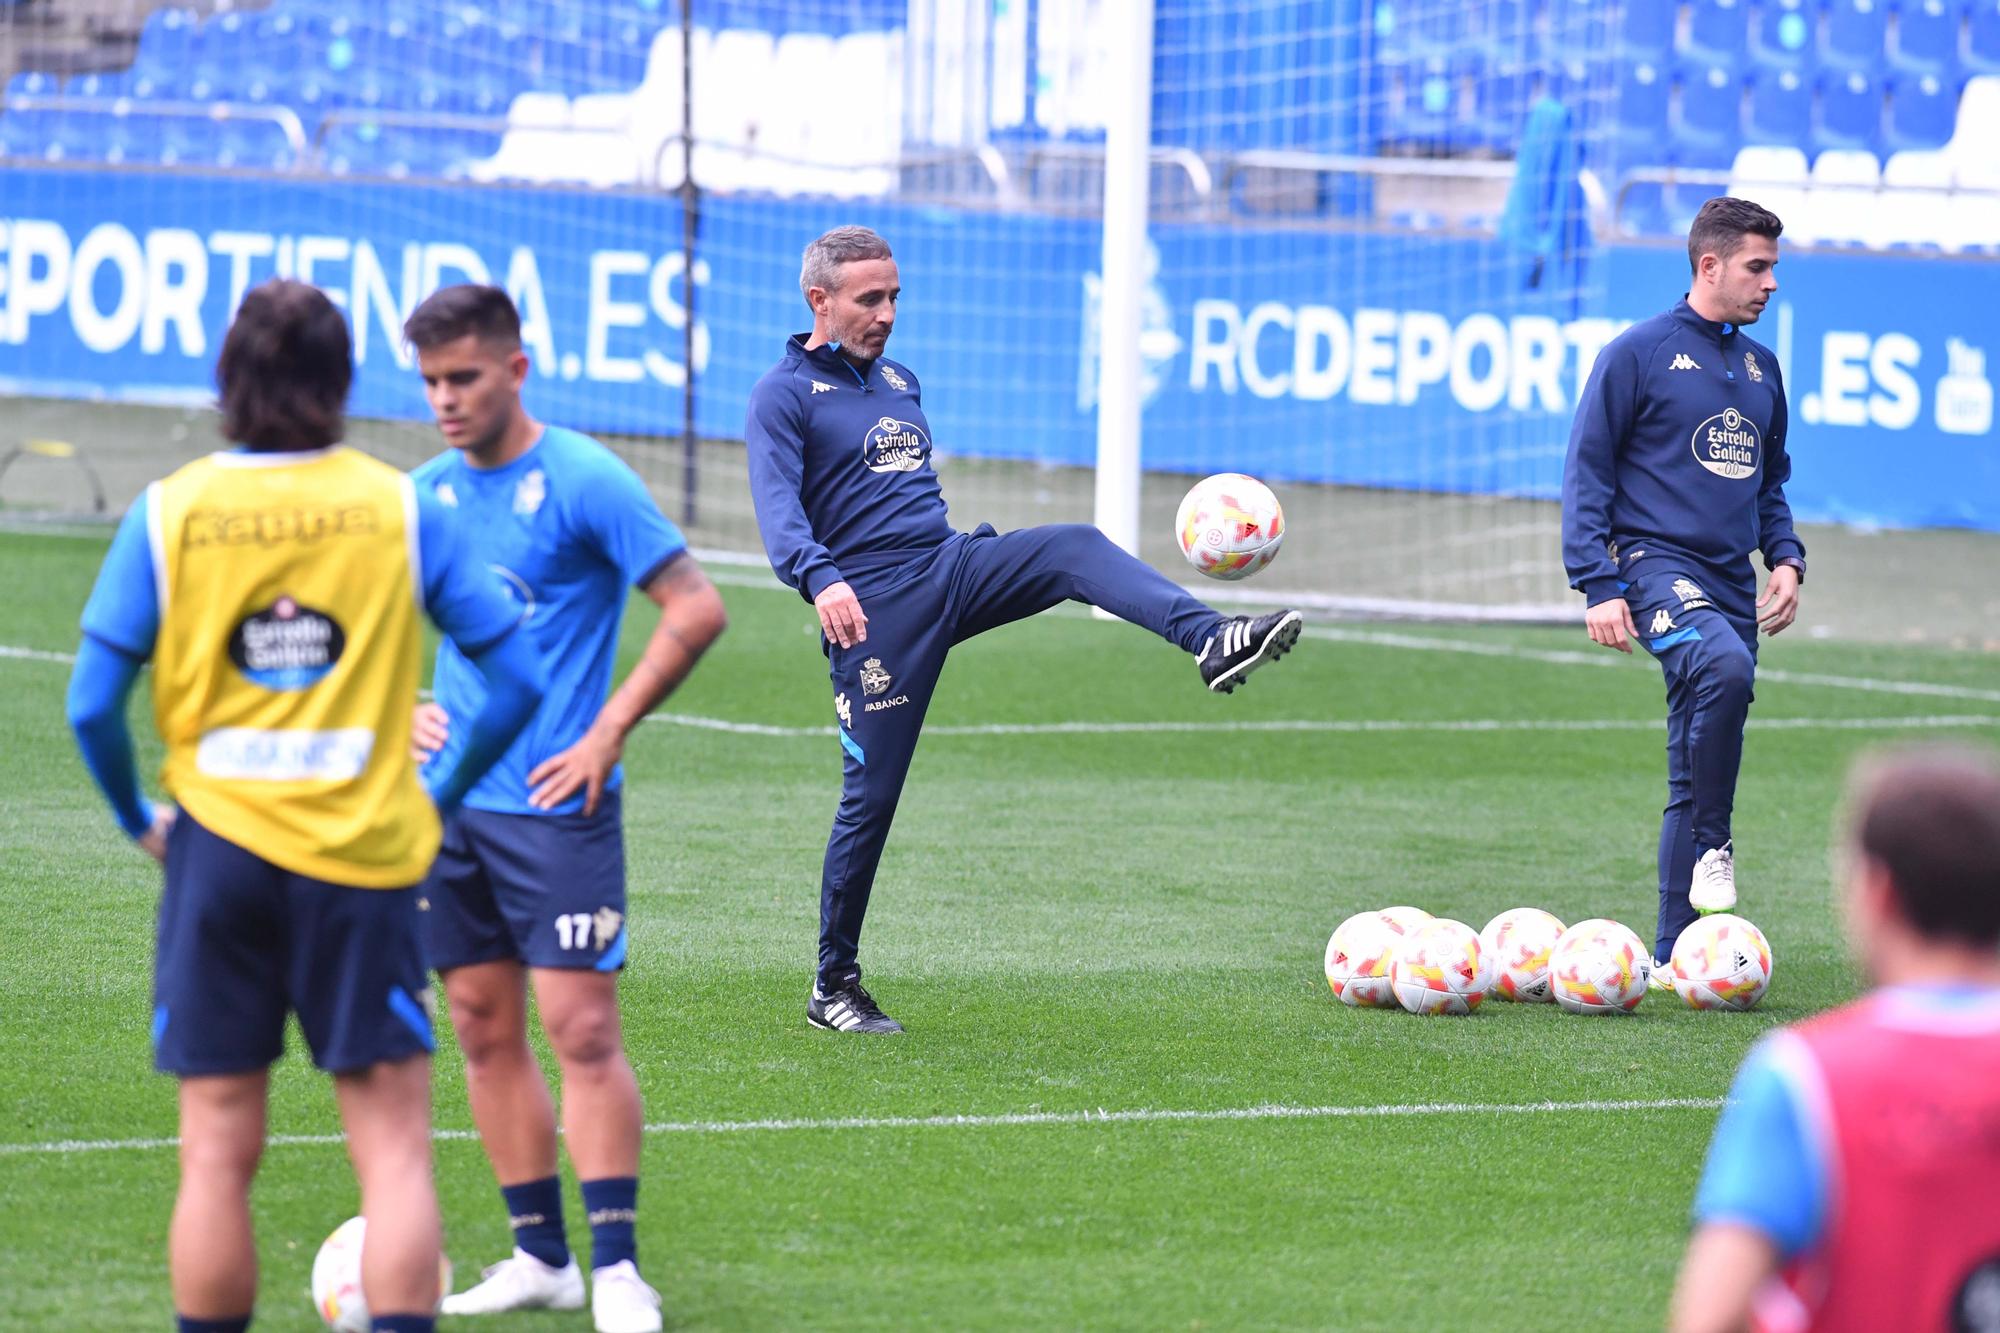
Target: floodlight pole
[690, 206]
[1128, 135]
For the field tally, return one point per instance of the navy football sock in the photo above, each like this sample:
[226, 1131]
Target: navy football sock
[613, 1206]
[404, 1323]
[534, 1210]
[187, 1324]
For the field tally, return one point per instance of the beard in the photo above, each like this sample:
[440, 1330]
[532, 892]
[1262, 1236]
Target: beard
[853, 339]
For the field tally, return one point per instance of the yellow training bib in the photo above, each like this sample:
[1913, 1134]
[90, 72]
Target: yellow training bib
[289, 657]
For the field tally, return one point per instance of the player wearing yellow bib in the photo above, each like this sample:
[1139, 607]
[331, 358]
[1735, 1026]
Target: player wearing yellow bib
[277, 590]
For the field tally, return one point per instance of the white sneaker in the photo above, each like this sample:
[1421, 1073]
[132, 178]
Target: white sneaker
[1714, 885]
[621, 1302]
[521, 1282]
[1659, 976]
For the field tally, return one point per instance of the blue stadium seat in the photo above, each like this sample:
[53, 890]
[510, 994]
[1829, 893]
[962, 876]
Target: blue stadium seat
[1579, 30]
[1923, 112]
[1718, 30]
[1514, 34]
[33, 83]
[1855, 35]
[1640, 115]
[1646, 32]
[1782, 34]
[1710, 109]
[1847, 112]
[1924, 38]
[1982, 37]
[1500, 106]
[1780, 108]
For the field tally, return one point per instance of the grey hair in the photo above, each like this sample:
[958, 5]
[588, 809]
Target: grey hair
[842, 245]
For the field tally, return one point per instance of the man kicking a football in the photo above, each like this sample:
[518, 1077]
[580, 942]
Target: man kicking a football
[853, 518]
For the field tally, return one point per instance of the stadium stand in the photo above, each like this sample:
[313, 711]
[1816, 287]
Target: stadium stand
[589, 92]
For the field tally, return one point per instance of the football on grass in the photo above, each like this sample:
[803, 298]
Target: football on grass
[1439, 969]
[1230, 526]
[336, 1279]
[1599, 967]
[1721, 962]
[1517, 945]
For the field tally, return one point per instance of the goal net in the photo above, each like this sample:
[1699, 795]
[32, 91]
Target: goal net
[1370, 278]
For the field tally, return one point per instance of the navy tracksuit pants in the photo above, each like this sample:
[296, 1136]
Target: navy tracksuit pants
[1707, 650]
[971, 583]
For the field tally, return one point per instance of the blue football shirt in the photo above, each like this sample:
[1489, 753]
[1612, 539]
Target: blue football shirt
[568, 527]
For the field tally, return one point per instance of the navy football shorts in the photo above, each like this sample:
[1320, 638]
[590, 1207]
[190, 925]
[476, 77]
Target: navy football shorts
[242, 941]
[544, 890]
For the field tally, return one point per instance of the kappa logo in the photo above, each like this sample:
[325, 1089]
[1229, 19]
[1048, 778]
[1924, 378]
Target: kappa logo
[1729, 445]
[532, 490]
[1662, 622]
[1682, 361]
[874, 680]
[820, 387]
[1752, 369]
[843, 709]
[891, 378]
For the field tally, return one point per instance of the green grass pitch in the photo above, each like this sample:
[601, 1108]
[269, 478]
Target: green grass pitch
[1126, 921]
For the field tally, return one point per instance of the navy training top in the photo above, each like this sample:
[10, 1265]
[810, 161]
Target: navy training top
[1678, 455]
[840, 468]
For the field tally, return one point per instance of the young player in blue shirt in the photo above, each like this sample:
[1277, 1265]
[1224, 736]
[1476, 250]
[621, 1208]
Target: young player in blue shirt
[276, 590]
[529, 886]
[853, 518]
[1676, 473]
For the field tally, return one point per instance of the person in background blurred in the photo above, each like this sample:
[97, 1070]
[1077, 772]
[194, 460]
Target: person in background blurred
[1854, 1178]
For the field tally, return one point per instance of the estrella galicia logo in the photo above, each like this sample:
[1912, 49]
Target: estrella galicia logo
[1729, 445]
[286, 646]
[895, 446]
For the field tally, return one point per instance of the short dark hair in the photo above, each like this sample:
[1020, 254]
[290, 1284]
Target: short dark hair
[450, 313]
[820, 266]
[1930, 816]
[1722, 224]
[284, 370]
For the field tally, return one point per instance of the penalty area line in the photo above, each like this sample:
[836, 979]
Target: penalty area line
[1021, 1119]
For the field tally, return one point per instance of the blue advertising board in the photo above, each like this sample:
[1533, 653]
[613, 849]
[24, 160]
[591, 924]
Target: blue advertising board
[1448, 375]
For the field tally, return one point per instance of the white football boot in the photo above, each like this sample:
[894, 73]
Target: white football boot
[621, 1302]
[521, 1282]
[1714, 886]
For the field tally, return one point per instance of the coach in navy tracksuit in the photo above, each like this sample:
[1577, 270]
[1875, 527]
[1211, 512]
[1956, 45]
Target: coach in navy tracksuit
[853, 518]
[1676, 473]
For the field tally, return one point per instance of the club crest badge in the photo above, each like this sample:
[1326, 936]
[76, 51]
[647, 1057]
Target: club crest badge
[874, 680]
[529, 494]
[891, 378]
[1752, 369]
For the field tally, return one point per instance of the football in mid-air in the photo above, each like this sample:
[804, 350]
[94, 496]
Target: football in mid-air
[1517, 945]
[1439, 969]
[1230, 526]
[1721, 962]
[336, 1279]
[1599, 967]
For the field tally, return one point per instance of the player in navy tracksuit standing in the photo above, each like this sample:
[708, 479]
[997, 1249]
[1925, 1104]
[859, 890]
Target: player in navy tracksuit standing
[853, 517]
[1676, 472]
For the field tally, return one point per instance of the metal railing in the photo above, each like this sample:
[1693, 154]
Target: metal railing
[127, 108]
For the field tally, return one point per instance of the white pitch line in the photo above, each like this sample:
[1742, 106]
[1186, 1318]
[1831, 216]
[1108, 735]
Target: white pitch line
[1955, 721]
[37, 655]
[1144, 1115]
[1560, 657]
